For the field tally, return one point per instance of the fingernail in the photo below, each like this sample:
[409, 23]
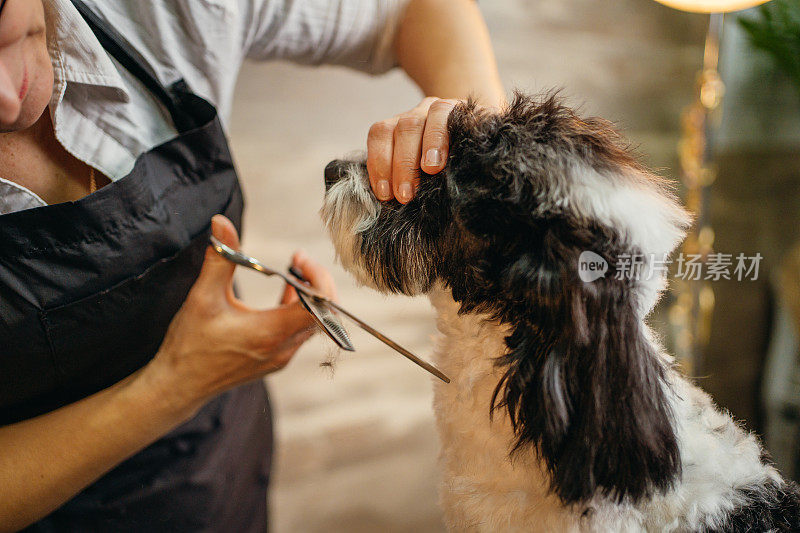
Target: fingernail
[404, 191]
[384, 191]
[433, 157]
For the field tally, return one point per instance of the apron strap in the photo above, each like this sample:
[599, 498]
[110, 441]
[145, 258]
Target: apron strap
[128, 57]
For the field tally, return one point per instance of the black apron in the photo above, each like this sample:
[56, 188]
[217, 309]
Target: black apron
[87, 290]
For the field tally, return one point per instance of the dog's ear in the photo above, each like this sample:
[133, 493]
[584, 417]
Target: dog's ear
[583, 385]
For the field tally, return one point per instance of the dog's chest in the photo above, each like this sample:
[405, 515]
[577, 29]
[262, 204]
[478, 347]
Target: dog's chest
[482, 489]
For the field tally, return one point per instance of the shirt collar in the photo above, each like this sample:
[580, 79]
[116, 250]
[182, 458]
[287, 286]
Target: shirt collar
[77, 55]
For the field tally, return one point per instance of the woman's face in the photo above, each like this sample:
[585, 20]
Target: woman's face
[26, 74]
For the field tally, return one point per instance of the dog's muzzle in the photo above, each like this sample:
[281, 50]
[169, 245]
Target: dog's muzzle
[334, 171]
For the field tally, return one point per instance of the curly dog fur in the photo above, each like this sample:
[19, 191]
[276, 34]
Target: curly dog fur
[564, 412]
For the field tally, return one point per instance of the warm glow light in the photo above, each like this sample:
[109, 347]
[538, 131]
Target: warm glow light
[710, 6]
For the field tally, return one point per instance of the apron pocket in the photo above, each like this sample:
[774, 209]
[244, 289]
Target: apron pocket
[100, 339]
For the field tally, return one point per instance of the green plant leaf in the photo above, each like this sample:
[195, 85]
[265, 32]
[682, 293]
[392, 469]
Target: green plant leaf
[776, 31]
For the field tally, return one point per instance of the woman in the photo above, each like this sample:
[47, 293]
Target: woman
[129, 390]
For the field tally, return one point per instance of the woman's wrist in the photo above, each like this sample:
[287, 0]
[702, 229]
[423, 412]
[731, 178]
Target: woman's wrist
[159, 390]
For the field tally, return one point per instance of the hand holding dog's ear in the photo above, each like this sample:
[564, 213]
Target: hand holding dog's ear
[399, 147]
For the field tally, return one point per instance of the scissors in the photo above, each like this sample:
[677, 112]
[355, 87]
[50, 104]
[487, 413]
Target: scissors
[321, 308]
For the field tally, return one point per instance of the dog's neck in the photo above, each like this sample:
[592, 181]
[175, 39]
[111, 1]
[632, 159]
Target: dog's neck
[483, 490]
[475, 448]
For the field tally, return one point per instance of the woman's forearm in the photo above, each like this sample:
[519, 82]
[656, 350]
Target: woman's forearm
[46, 460]
[444, 47]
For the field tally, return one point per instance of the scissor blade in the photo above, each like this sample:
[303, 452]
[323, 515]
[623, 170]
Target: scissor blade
[328, 322]
[390, 343]
[377, 334]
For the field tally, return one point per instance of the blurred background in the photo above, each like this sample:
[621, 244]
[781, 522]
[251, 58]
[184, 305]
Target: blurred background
[356, 444]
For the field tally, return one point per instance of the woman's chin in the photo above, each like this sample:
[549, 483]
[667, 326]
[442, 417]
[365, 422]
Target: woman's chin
[32, 107]
[26, 118]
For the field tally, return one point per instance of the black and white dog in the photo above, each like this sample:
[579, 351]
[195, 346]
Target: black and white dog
[564, 413]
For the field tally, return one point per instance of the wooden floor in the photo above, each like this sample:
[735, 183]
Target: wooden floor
[357, 446]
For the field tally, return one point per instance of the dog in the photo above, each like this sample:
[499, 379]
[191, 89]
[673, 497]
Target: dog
[564, 412]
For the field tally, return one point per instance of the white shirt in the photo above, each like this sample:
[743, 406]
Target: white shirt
[106, 118]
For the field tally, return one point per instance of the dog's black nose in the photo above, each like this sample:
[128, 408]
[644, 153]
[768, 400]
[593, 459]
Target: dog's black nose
[333, 172]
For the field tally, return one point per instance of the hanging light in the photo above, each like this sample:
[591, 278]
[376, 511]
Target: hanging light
[710, 6]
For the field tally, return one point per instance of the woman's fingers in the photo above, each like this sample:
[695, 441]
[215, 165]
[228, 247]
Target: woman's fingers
[273, 335]
[398, 148]
[291, 323]
[435, 139]
[289, 295]
[315, 273]
[406, 152]
[217, 272]
[405, 157]
[293, 317]
[379, 158]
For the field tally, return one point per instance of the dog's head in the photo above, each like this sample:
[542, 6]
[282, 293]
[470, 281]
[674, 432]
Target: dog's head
[529, 197]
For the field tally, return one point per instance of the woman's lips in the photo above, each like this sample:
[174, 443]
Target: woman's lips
[24, 89]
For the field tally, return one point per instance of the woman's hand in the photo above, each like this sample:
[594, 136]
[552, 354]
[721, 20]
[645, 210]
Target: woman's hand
[444, 46]
[216, 342]
[398, 148]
